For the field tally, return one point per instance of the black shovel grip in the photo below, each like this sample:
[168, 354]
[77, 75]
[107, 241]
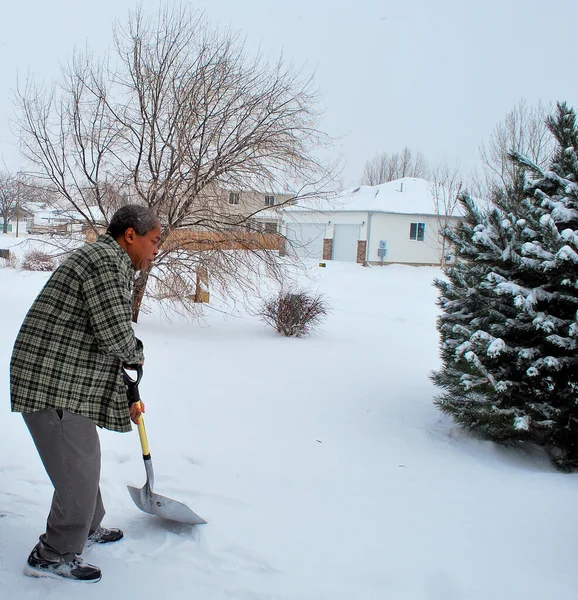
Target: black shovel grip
[132, 384]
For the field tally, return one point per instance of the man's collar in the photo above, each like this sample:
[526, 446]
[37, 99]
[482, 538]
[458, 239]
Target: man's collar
[107, 239]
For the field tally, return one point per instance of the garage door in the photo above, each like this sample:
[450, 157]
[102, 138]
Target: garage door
[345, 242]
[306, 239]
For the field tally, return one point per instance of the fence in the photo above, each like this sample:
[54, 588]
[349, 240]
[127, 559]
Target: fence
[60, 229]
[188, 239]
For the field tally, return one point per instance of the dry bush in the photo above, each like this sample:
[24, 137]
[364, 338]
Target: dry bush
[294, 314]
[38, 261]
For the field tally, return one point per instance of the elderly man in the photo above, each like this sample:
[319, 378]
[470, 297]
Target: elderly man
[65, 379]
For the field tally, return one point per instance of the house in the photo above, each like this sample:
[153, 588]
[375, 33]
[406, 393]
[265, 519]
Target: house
[253, 206]
[395, 222]
[52, 220]
[23, 216]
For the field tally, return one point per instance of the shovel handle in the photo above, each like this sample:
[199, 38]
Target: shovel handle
[142, 434]
[132, 385]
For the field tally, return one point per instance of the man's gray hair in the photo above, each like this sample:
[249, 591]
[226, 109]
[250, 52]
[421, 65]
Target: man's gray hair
[140, 218]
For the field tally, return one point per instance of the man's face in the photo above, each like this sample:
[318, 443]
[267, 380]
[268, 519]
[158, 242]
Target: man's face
[142, 249]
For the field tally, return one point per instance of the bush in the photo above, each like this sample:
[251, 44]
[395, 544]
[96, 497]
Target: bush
[38, 261]
[294, 314]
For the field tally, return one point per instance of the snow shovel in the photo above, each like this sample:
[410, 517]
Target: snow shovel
[144, 497]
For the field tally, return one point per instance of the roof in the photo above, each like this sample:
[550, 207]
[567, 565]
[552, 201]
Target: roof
[409, 196]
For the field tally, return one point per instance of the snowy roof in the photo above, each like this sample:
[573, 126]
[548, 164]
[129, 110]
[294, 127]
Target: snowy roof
[92, 211]
[409, 196]
[47, 215]
[35, 207]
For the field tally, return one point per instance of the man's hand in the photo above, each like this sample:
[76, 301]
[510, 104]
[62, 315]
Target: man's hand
[136, 409]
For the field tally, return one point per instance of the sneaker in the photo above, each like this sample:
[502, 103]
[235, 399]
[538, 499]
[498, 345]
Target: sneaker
[75, 570]
[104, 536]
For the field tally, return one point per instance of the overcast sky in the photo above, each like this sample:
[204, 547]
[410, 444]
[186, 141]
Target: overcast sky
[434, 76]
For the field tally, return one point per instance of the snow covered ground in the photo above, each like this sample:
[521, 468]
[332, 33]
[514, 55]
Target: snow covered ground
[321, 464]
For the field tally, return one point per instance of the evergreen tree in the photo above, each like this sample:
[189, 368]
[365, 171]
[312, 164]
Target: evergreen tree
[509, 323]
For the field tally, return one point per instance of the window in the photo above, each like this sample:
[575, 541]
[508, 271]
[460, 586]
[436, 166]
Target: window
[270, 227]
[254, 226]
[417, 231]
[234, 197]
[269, 200]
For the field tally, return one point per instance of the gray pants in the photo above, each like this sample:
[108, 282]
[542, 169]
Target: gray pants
[69, 447]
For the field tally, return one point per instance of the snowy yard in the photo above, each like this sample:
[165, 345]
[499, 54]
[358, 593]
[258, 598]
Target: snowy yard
[322, 466]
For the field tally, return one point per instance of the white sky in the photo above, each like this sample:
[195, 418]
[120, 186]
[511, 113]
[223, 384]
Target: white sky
[435, 76]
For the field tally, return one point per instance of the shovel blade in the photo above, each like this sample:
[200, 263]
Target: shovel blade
[165, 508]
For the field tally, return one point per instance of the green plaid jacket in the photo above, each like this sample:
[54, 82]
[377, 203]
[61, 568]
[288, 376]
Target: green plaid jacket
[75, 337]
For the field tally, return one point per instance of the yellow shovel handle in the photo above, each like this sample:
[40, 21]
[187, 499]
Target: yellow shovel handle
[142, 434]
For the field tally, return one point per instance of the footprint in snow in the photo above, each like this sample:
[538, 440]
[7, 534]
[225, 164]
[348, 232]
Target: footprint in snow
[17, 499]
[145, 528]
[243, 559]
[121, 459]
[7, 513]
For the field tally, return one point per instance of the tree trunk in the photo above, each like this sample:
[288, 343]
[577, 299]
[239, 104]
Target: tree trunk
[138, 291]
[443, 256]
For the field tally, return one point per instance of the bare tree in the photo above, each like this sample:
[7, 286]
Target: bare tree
[17, 193]
[386, 167]
[523, 131]
[446, 186]
[420, 166]
[8, 199]
[183, 117]
[405, 163]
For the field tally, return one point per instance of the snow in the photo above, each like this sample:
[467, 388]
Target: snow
[496, 347]
[408, 195]
[522, 423]
[567, 253]
[323, 468]
[21, 246]
[562, 214]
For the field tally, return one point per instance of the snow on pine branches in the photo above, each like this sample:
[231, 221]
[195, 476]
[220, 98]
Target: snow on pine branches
[509, 322]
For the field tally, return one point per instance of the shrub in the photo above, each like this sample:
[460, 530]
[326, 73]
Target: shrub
[294, 314]
[38, 261]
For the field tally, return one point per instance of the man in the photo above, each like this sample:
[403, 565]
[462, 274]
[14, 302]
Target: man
[65, 379]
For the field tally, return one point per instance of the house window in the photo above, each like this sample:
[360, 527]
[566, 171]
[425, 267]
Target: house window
[254, 226]
[270, 227]
[417, 231]
[269, 200]
[234, 197]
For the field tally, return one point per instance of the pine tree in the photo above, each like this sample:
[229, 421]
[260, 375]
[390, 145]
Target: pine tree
[509, 323]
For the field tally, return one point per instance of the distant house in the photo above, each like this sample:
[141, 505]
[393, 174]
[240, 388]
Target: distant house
[46, 219]
[247, 219]
[394, 222]
[252, 208]
[24, 216]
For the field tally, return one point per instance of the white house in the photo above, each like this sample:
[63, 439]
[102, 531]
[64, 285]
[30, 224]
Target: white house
[47, 219]
[395, 222]
[13, 227]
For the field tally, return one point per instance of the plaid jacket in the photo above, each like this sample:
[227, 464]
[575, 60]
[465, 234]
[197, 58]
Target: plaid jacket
[75, 337]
